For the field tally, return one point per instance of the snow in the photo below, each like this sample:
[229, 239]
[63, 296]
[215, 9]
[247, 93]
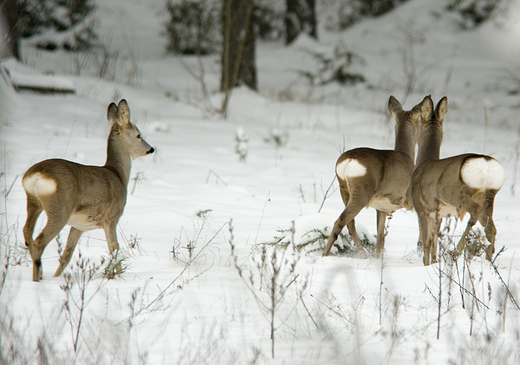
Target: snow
[181, 299]
[22, 77]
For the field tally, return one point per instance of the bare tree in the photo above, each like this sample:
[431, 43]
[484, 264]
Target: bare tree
[238, 51]
[10, 10]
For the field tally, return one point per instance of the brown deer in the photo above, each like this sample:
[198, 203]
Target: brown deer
[452, 187]
[83, 197]
[379, 178]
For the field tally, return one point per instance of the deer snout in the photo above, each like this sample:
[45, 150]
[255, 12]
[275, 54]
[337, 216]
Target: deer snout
[150, 151]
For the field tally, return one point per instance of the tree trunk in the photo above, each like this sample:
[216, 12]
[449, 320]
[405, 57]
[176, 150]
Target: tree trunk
[300, 17]
[238, 51]
[9, 9]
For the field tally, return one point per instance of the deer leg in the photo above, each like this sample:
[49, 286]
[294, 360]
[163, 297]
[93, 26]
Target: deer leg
[429, 235]
[381, 220]
[486, 219]
[113, 245]
[355, 237]
[435, 229]
[423, 234]
[475, 212]
[420, 243]
[462, 243]
[54, 225]
[491, 233]
[338, 227]
[66, 255]
[34, 209]
[348, 215]
[351, 226]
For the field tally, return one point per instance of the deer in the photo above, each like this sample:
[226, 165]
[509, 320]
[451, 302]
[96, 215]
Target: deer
[453, 186]
[379, 178]
[82, 196]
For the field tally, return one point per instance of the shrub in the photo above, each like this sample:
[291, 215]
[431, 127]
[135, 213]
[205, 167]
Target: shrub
[336, 66]
[193, 27]
[473, 12]
[343, 14]
[315, 240]
[71, 19]
[268, 19]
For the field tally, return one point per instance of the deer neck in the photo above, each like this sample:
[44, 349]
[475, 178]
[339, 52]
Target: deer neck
[430, 143]
[405, 140]
[118, 158]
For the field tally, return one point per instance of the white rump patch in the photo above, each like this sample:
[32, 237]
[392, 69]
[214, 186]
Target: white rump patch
[40, 185]
[480, 173]
[474, 172]
[350, 168]
[497, 174]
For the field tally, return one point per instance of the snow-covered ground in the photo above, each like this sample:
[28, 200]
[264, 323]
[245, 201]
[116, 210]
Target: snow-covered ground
[334, 310]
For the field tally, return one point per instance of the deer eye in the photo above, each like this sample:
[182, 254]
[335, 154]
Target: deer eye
[138, 136]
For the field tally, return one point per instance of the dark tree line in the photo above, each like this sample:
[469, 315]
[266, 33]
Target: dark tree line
[193, 23]
[300, 17]
[9, 8]
[26, 18]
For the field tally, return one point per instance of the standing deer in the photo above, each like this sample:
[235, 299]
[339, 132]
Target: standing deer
[83, 197]
[379, 178]
[452, 186]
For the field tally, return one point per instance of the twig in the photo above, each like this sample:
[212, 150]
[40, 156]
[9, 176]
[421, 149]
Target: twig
[326, 195]
[502, 280]
[464, 289]
[440, 293]
[267, 199]
[211, 172]
[309, 313]
[381, 284]
[8, 191]
[333, 310]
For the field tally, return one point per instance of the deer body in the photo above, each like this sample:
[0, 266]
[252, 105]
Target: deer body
[452, 187]
[379, 178]
[83, 197]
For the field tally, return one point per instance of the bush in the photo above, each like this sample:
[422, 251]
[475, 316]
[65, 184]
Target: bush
[315, 240]
[268, 19]
[337, 66]
[343, 14]
[473, 12]
[193, 27]
[71, 17]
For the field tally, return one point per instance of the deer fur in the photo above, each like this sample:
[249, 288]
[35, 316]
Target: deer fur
[379, 178]
[452, 187]
[83, 197]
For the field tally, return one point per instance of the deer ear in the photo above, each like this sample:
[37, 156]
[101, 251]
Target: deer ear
[441, 109]
[123, 112]
[393, 105]
[427, 108]
[112, 114]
